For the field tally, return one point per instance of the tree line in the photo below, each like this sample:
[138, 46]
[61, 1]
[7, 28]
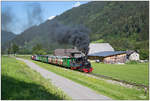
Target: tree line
[15, 49]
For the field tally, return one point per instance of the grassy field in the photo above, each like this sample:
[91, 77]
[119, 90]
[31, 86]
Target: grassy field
[135, 73]
[113, 91]
[19, 82]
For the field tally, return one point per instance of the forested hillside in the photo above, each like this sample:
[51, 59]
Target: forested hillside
[123, 24]
[43, 35]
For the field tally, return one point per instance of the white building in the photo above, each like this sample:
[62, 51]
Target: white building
[132, 55]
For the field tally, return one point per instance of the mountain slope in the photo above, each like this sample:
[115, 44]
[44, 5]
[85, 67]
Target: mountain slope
[42, 34]
[106, 18]
[7, 36]
[123, 24]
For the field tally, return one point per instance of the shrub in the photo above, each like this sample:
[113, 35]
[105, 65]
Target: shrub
[132, 62]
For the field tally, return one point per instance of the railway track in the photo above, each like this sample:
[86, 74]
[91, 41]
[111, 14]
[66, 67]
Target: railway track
[117, 80]
[146, 88]
[122, 81]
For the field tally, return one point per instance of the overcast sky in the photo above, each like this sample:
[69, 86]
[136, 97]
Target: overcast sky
[48, 11]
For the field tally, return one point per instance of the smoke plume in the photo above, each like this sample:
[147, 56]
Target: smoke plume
[11, 21]
[34, 14]
[75, 35]
[7, 19]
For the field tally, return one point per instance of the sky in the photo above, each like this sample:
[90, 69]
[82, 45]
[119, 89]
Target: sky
[18, 11]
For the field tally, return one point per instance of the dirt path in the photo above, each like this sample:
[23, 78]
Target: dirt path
[72, 89]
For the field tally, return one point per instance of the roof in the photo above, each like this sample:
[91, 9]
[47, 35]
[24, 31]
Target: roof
[67, 52]
[107, 53]
[100, 47]
[129, 52]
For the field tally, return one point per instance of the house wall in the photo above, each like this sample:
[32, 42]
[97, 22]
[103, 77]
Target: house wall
[120, 58]
[95, 58]
[134, 56]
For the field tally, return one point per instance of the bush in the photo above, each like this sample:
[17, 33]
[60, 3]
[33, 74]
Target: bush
[132, 62]
[144, 54]
[39, 50]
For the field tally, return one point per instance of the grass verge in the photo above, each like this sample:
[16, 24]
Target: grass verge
[19, 82]
[113, 91]
[134, 73]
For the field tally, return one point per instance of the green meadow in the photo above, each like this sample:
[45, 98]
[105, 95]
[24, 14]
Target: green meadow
[101, 86]
[19, 82]
[134, 73]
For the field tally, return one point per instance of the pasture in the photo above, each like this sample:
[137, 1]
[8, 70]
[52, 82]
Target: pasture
[19, 82]
[134, 73]
[101, 86]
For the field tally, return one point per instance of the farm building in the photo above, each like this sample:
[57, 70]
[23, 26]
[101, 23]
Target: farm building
[99, 47]
[109, 57]
[67, 52]
[133, 55]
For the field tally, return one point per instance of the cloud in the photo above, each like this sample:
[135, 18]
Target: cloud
[76, 4]
[51, 17]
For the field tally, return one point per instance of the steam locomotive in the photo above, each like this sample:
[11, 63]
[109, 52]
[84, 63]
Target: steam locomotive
[74, 63]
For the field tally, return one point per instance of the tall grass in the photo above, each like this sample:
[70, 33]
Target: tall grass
[113, 91]
[19, 82]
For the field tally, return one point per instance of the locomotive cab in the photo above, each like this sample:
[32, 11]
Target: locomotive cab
[83, 64]
[87, 64]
